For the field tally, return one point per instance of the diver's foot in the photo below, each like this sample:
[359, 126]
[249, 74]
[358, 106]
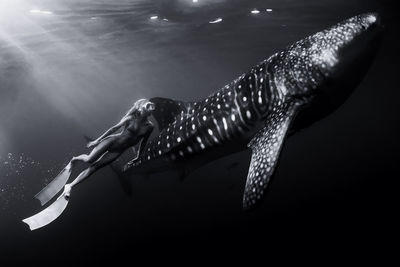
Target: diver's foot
[76, 159]
[126, 167]
[70, 165]
[67, 192]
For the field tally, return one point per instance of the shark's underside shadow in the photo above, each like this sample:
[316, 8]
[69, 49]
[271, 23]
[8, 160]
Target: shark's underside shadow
[287, 92]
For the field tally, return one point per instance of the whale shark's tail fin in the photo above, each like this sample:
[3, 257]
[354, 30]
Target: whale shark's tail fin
[167, 110]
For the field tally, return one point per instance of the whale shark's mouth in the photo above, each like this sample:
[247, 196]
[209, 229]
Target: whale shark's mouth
[330, 64]
[347, 41]
[337, 53]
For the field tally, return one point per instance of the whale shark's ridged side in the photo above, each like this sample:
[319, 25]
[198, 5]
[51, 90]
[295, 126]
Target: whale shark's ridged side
[259, 107]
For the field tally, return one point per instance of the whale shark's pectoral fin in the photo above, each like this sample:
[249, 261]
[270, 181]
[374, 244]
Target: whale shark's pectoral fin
[266, 146]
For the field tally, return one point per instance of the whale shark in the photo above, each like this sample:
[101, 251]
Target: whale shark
[272, 100]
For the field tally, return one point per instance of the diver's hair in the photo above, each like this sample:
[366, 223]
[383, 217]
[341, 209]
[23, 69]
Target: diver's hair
[137, 108]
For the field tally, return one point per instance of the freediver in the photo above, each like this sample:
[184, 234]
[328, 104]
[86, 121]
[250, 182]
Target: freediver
[135, 129]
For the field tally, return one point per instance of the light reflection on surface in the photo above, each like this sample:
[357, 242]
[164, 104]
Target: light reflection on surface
[38, 11]
[217, 20]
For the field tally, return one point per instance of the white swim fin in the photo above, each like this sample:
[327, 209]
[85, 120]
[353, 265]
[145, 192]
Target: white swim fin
[54, 186]
[49, 214]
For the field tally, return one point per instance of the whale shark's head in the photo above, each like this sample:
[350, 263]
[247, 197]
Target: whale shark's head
[346, 51]
[333, 61]
[327, 66]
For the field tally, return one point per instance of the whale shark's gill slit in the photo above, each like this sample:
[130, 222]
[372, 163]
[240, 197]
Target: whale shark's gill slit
[218, 128]
[244, 99]
[168, 110]
[272, 89]
[254, 96]
[206, 135]
[237, 106]
[262, 96]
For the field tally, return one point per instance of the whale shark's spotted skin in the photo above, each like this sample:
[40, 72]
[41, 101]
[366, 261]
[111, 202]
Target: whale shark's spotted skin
[227, 114]
[268, 95]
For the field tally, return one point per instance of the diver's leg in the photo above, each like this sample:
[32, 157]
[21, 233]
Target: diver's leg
[57, 207]
[107, 158]
[95, 154]
[61, 179]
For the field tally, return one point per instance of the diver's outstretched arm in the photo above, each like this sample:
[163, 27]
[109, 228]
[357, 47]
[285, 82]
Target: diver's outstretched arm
[142, 144]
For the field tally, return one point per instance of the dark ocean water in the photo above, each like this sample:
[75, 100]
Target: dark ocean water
[70, 68]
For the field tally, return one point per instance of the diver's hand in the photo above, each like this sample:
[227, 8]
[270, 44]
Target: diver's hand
[131, 163]
[127, 166]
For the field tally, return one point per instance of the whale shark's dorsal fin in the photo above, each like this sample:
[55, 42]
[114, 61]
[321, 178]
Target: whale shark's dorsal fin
[266, 146]
[167, 110]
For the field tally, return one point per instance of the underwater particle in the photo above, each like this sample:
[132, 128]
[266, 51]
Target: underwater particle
[255, 11]
[217, 20]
